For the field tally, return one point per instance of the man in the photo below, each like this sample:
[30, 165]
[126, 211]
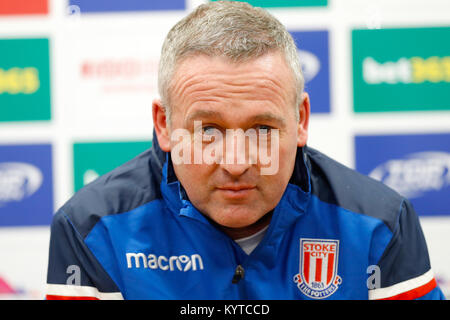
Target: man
[230, 203]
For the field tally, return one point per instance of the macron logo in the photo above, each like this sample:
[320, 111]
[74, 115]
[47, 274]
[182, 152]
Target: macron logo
[182, 263]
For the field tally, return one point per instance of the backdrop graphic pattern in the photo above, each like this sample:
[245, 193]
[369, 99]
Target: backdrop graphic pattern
[77, 79]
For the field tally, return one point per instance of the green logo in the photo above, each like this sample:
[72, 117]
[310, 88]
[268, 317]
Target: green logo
[24, 80]
[286, 3]
[94, 159]
[401, 69]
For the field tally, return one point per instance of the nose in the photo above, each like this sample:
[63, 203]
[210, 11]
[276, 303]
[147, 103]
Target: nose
[234, 169]
[236, 159]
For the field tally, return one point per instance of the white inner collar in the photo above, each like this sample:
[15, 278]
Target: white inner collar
[248, 244]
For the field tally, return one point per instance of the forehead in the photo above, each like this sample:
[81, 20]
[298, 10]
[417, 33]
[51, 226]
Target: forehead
[205, 80]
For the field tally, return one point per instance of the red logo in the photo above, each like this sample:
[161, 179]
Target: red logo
[318, 277]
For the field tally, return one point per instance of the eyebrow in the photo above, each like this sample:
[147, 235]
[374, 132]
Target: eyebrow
[262, 117]
[269, 117]
[204, 114]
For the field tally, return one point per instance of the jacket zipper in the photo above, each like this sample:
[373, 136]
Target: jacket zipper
[239, 274]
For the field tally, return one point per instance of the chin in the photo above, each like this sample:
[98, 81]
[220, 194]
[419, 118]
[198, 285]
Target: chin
[236, 218]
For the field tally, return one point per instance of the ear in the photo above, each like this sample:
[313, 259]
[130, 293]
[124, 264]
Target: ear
[304, 111]
[161, 125]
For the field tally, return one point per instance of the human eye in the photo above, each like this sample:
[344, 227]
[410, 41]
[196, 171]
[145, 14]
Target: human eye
[263, 129]
[209, 130]
[210, 133]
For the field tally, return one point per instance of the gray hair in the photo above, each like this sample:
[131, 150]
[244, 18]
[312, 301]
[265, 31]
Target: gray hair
[230, 29]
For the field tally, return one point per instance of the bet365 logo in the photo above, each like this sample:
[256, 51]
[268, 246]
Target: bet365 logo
[407, 70]
[24, 80]
[391, 72]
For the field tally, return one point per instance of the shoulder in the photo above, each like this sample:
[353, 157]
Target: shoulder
[123, 189]
[334, 183]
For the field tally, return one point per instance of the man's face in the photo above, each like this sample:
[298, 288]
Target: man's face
[212, 97]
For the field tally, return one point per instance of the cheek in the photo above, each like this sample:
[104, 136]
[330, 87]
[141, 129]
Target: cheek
[286, 155]
[194, 178]
[275, 184]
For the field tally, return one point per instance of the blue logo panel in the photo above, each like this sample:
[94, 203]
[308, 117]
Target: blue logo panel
[26, 185]
[314, 56]
[127, 5]
[416, 166]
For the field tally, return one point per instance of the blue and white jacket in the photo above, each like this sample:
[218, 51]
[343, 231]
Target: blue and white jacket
[335, 234]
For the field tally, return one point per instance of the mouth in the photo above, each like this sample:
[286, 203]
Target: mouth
[236, 192]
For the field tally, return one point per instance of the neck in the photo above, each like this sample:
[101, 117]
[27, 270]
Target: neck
[237, 233]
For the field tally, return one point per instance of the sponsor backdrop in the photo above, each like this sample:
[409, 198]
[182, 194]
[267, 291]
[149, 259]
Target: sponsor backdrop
[92, 159]
[414, 74]
[24, 80]
[77, 79]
